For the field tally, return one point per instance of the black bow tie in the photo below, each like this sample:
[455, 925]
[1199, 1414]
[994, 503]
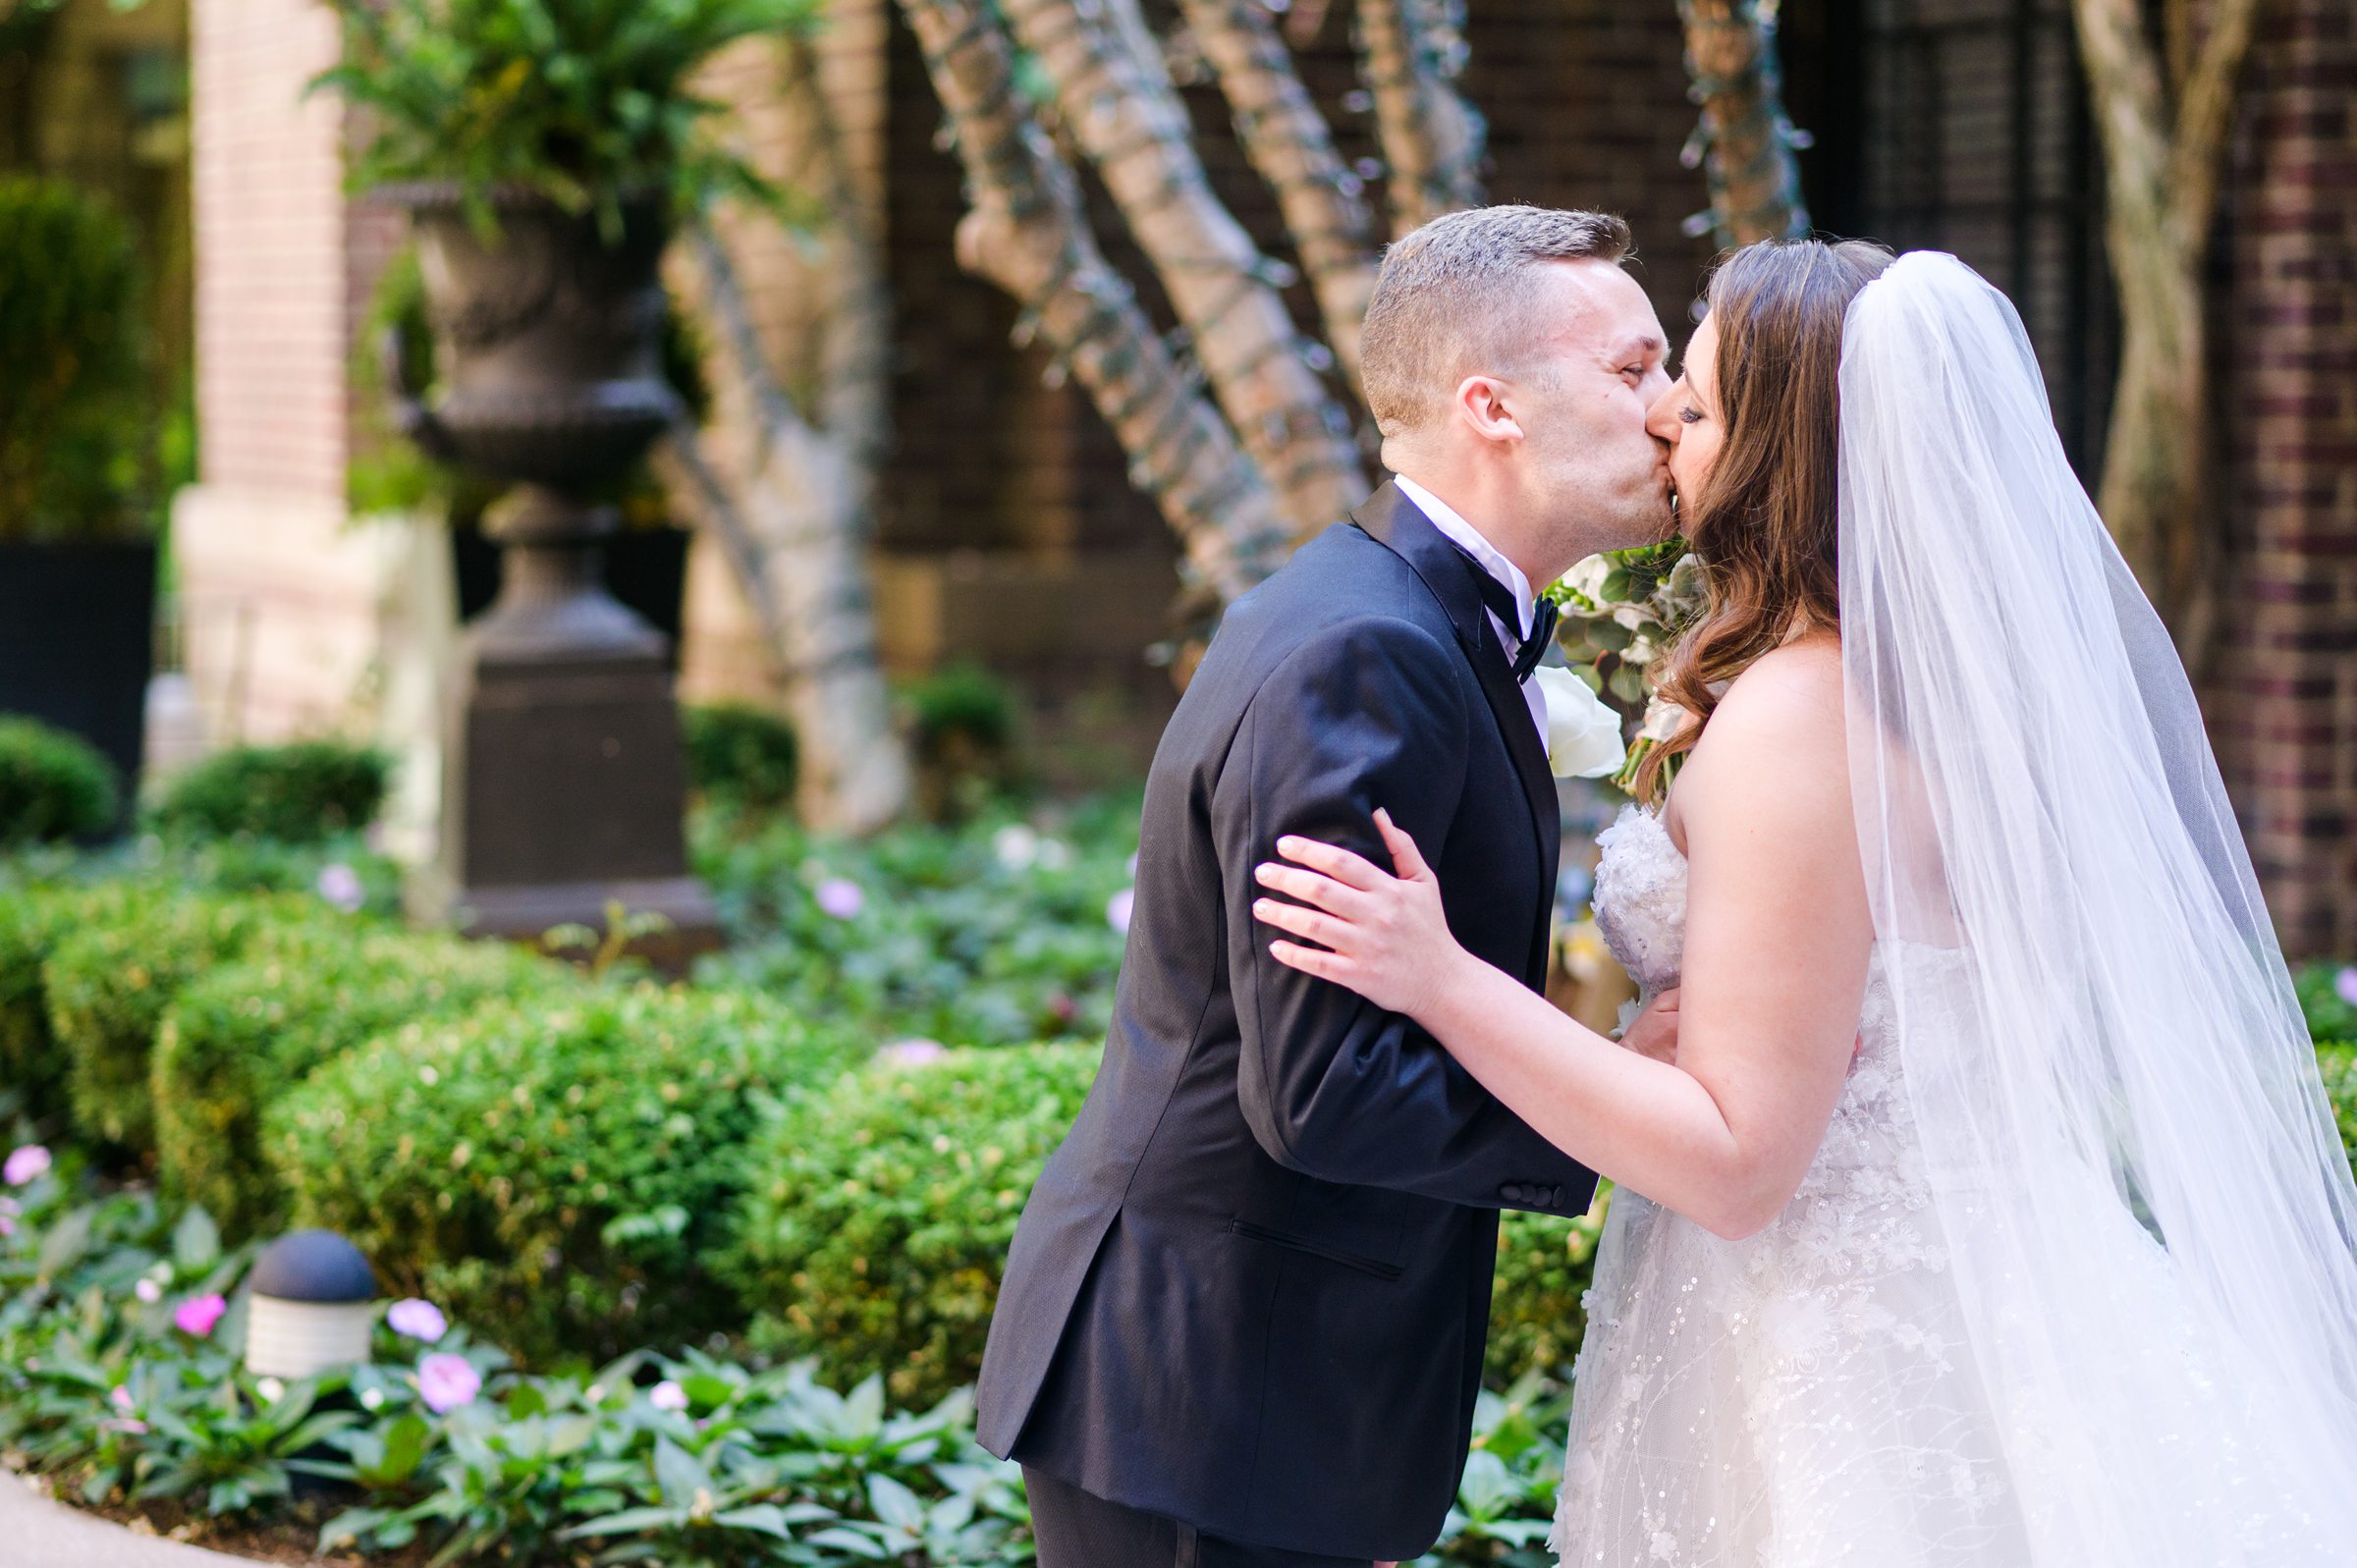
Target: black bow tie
[1498, 600]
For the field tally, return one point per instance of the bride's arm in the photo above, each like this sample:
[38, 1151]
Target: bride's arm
[1778, 937]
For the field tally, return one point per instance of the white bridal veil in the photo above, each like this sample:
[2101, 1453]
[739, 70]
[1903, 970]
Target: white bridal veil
[2149, 1216]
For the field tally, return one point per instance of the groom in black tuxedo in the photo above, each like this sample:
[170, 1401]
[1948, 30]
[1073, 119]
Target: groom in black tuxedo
[1243, 1314]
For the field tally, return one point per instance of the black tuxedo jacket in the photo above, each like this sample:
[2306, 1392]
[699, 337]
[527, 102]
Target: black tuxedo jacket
[1251, 1290]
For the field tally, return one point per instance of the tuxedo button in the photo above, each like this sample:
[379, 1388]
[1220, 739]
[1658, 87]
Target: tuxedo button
[1515, 1192]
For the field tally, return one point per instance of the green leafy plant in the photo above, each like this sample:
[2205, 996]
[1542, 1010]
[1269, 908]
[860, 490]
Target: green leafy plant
[1545, 1265]
[246, 1033]
[2329, 996]
[1001, 931]
[556, 1168]
[53, 785]
[581, 101]
[303, 792]
[72, 459]
[963, 723]
[2339, 1063]
[740, 756]
[877, 1228]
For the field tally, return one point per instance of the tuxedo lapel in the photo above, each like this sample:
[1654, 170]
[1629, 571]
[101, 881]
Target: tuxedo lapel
[1390, 518]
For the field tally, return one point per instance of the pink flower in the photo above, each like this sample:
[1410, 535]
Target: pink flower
[1119, 909]
[841, 898]
[2344, 983]
[340, 886]
[127, 1425]
[198, 1314]
[913, 1053]
[148, 1291]
[418, 1320]
[119, 1396]
[666, 1395]
[28, 1163]
[447, 1381]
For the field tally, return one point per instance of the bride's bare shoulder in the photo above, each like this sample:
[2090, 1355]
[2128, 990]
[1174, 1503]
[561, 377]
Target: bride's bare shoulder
[1777, 731]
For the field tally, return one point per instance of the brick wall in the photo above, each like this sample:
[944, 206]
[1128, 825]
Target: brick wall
[2283, 702]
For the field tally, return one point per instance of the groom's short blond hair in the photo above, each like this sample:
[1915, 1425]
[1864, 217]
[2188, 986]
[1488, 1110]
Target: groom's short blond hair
[1454, 295]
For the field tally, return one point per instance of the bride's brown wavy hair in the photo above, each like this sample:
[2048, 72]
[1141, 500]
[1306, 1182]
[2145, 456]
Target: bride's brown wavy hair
[1764, 525]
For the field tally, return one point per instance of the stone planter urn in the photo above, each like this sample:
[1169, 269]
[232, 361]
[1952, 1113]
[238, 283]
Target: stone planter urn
[564, 785]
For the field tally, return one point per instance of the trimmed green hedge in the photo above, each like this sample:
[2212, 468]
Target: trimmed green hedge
[32, 921]
[555, 1170]
[299, 793]
[53, 785]
[747, 757]
[108, 982]
[877, 1231]
[250, 1031]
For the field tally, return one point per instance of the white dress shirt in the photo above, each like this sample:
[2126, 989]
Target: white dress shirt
[1493, 561]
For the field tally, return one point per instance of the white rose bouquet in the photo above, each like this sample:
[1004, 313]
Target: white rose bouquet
[1620, 612]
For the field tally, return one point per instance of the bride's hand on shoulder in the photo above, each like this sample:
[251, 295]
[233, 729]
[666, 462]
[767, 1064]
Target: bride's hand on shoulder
[1384, 936]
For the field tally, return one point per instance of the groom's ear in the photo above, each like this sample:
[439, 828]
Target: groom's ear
[1480, 403]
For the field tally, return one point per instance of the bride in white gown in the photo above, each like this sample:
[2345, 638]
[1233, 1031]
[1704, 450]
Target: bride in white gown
[1990, 1214]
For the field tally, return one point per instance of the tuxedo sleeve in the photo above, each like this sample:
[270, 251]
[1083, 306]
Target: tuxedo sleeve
[1367, 714]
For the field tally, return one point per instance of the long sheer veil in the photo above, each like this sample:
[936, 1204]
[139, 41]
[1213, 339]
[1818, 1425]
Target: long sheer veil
[2148, 1214]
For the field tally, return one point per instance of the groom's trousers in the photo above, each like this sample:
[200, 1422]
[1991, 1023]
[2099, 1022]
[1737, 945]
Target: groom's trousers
[1076, 1528]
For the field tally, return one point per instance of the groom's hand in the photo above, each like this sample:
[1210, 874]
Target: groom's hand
[1654, 1032]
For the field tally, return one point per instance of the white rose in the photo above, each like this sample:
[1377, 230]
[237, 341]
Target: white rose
[1586, 578]
[1583, 735]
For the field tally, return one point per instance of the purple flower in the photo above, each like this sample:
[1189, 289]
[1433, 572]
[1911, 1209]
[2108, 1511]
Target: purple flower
[419, 1320]
[447, 1381]
[27, 1162]
[666, 1395]
[2344, 983]
[841, 898]
[1119, 909]
[198, 1314]
[340, 886]
[913, 1053]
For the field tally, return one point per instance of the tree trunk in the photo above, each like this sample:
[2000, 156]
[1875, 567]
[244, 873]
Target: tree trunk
[1026, 233]
[797, 528]
[1744, 141]
[1290, 144]
[2162, 187]
[1410, 54]
[1114, 99]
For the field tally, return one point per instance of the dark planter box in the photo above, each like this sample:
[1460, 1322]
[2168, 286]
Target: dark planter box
[647, 568]
[78, 642]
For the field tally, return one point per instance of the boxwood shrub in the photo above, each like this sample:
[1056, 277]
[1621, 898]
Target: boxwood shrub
[299, 793]
[53, 785]
[2339, 1063]
[108, 982]
[33, 919]
[877, 1227]
[554, 1169]
[239, 1038]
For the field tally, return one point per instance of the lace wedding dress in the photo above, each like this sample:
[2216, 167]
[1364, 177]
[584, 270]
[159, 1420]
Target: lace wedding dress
[1807, 1397]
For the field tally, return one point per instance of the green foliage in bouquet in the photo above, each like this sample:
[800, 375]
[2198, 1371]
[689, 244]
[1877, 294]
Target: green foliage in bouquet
[53, 785]
[72, 454]
[303, 792]
[556, 1168]
[1620, 612]
[581, 101]
[875, 1233]
[243, 1036]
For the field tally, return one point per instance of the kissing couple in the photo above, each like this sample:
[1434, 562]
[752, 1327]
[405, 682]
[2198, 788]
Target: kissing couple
[1976, 1202]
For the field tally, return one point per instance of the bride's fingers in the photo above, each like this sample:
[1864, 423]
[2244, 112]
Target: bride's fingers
[1310, 887]
[1352, 871]
[1311, 961]
[1320, 928]
[1406, 858]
